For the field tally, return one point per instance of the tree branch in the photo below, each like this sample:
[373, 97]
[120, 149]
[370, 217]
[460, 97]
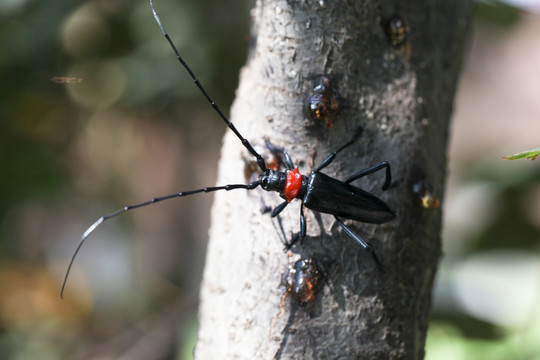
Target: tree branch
[402, 96]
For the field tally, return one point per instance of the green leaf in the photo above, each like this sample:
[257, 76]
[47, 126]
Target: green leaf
[527, 154]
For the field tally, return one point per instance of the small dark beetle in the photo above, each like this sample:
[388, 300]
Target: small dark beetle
[322, 104]
[425, 194]
[396, 29]
[303, 280]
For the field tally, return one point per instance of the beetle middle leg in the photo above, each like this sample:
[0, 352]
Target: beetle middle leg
[371, 170]
[333, 155]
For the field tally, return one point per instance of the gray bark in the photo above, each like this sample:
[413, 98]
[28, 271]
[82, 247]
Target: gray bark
[402, 97]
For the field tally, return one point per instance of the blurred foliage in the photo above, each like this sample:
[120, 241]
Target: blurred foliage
[95, 111]
[488, 291]
[496, 13]
[531, 154]
[487, 294]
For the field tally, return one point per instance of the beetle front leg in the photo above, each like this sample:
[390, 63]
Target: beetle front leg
[285, 156]
[302, 234]
[278, 209]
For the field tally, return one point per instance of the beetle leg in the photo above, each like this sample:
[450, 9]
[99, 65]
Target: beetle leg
[360, 241]
[371, 170]
[280, 151]
[302, 222]
[282, 235]
[333, 155]
[293, 241]
[278, 209]
[303, 226]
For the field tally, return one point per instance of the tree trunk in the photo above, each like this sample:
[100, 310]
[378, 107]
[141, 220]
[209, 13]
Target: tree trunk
[401, 93]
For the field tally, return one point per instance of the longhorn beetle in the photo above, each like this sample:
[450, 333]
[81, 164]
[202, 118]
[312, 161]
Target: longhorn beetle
[317, 191]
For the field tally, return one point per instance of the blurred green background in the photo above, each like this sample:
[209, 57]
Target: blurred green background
[95, 113]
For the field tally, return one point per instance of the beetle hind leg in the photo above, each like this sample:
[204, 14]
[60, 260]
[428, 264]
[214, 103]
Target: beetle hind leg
[361, 242]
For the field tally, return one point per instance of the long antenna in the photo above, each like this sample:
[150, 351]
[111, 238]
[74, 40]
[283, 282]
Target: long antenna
[245, 142]
[99, 221]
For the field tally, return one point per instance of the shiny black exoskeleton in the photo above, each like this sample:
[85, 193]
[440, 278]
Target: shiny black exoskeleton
[322, 193]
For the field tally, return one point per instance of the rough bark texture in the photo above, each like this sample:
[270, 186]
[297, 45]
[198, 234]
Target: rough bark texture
[402, 97]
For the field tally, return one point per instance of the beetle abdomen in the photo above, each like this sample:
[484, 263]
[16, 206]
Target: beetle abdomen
[331, 196]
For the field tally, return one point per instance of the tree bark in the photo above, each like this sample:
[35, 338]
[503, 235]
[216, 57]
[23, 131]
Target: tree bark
[402, 96]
